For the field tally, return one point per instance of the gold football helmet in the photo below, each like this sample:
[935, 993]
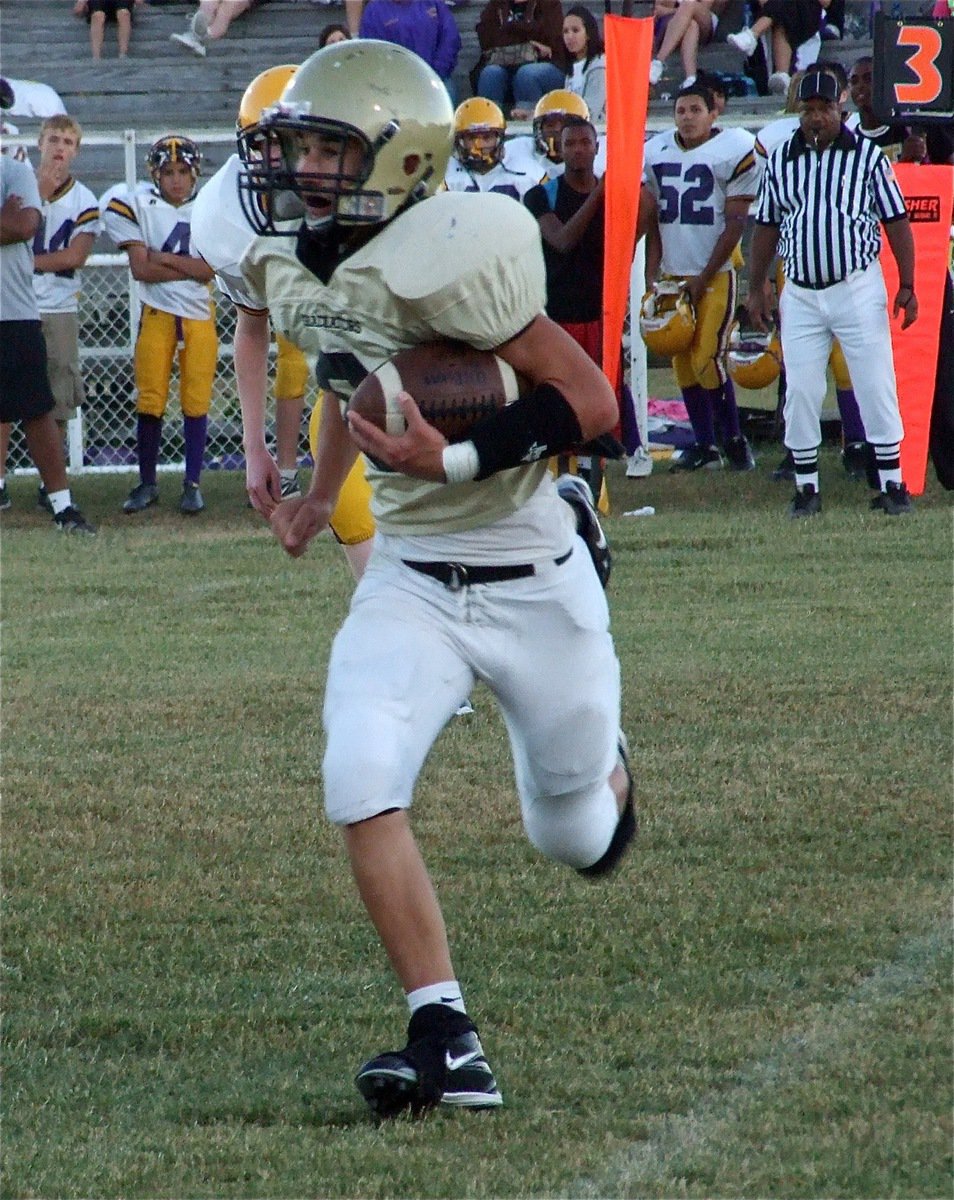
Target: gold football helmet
[262, 94]
[667, 320]
[550, 116]
[172, 148]
[754, 356]
[374, 95]
[478, 116]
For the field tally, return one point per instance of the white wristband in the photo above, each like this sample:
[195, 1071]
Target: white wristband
[461, 462]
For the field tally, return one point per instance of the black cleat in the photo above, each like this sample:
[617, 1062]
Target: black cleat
[805, 503]
[191, 502]
[576, 492]
[894, 501]
[697, 458]
[739, 454]
[442, 1063]
[139, 499]
[71, 520]
[854, 458]
[43, 500]
[785, 471]
[5, 501]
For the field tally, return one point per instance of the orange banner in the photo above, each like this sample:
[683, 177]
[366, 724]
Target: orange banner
[929, 195]
[628, 49]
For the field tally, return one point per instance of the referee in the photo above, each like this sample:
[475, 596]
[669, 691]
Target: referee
[822, 196]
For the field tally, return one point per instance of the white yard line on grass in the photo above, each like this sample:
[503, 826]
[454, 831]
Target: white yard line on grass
[666, 1156]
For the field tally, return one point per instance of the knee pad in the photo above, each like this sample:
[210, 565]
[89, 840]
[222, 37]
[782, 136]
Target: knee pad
[575, 828]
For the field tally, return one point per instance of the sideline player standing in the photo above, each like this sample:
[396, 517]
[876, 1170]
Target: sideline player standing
[476, 572]
[152, 225]
[221, 233]
[25, 394]
[69, 225]
[834, 286]
[476, 164]
[704, 180]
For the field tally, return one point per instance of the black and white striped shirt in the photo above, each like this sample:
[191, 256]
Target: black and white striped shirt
[827, 206]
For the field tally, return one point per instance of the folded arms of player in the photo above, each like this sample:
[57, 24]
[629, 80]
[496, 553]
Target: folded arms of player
[571, 402]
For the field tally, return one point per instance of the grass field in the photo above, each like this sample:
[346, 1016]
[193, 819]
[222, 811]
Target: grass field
[758, 1004]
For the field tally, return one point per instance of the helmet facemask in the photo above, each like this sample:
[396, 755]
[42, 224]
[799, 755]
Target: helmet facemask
[476, 158]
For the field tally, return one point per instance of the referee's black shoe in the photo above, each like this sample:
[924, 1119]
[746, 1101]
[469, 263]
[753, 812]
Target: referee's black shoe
[894, 501]
[442, 1063]
[805, 503]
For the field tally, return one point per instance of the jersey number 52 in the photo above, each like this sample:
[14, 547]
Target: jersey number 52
[686, 203]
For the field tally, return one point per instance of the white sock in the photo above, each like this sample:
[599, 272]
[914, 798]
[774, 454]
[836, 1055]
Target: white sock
[448, 993]
[288, 472]
[59, 500]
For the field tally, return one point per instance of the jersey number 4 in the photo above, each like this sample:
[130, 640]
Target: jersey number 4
[178, 240]
[687, 204]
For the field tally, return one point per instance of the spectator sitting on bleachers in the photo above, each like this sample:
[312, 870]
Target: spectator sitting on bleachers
[522, 55]
[211, 21]
[332, 34]
[683, 25]
[586, 76]
[427, 27]
[98, 12]
[796, 39]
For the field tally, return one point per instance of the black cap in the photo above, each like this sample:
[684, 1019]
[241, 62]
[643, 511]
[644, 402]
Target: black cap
[6, 94]
[818, 83]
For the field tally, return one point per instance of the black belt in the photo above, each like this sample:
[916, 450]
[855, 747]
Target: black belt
[457, 575]
[816, 287]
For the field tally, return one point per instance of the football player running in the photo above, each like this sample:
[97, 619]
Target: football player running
[477, 162]
[476, 572]
[221, 233]
[704, 180]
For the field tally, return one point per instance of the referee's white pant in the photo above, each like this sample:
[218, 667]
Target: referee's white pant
[855, 312]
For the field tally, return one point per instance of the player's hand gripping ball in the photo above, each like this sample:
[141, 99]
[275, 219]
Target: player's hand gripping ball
[453, 385]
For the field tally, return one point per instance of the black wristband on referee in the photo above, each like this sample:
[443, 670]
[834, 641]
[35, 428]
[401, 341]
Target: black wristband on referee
[536, 426]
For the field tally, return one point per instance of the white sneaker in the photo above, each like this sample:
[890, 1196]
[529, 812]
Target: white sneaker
[464, 709]
[640, 464]
[779, 83]
[655, 72]
[190, 41]
[745, 40]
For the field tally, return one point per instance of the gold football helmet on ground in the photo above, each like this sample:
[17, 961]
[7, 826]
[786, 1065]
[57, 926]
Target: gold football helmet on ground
[754, 356]
[373, 96]
[667, 320]
[262, 94]
[479, 118]
[550, 116]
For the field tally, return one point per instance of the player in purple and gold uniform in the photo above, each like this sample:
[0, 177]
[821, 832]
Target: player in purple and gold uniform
[152, 225]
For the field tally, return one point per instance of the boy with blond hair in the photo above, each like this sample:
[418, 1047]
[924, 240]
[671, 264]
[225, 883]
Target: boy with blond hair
[69, 225]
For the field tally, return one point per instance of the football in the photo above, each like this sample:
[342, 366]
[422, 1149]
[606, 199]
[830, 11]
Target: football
[454, 386]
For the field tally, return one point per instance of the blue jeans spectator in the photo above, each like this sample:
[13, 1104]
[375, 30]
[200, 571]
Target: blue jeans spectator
[529, 83]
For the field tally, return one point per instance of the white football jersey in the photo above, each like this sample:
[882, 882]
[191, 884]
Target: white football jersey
[143, 216]
[457, 266]
[70, 211]
[221, 233]
[691, 188]
[773, 134]
[500, 179]
[521, 154]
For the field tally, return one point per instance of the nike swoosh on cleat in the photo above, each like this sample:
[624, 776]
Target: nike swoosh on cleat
[454, 1064]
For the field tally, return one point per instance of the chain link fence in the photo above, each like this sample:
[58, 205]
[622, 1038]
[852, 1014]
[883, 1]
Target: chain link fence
[103, 436]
